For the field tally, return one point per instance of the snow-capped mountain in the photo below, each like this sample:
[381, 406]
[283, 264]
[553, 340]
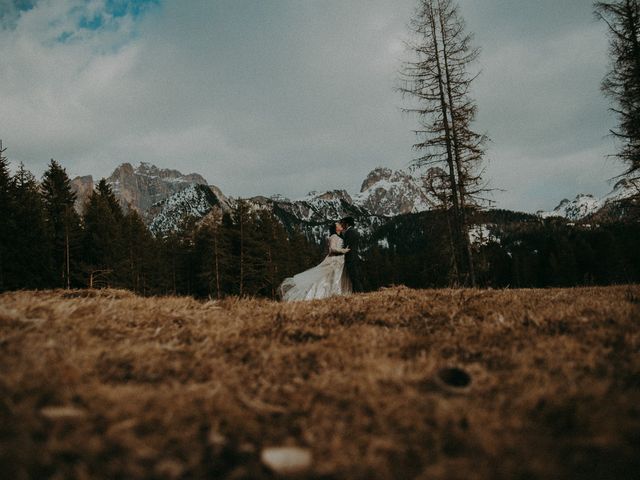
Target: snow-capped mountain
[623, 190]
[389, 193]
[193, 201]
[577, 209]
[384, 192]
[585, 205]
[165, 197]
[383, 195]
[322, 207]
[313, 213]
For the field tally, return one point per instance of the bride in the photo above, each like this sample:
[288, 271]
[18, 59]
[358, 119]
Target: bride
[327, 279]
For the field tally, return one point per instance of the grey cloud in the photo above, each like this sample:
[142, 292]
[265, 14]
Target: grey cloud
[288, 96]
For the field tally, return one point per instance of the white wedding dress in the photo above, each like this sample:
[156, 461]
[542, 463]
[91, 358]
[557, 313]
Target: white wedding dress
[327, 279]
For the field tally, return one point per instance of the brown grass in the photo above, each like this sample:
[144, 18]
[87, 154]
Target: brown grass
[105, 384]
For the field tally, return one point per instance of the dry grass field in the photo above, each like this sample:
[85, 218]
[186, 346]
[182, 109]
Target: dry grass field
[396, 384]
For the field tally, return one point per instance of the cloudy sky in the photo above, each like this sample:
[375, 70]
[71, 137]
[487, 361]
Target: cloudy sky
[289, 96]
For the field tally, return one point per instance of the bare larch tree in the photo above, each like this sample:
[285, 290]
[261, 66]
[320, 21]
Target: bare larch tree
[438, 82]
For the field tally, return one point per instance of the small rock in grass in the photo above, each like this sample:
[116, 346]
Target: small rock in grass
[287, 460]
[216, 439]
[63, 413]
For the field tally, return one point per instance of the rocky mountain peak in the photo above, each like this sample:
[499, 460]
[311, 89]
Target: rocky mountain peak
[140, 187]
[576, 209]
[340, 195]
[624, 188]
[376, 175]
[123, 169]
[632, 185]
[150, 170]
[82, 186]
[388, 193]
[145, 185]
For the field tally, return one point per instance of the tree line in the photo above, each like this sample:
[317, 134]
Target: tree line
[519, 251]
[46, 243]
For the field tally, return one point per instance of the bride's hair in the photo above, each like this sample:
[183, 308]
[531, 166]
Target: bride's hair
[332, 229]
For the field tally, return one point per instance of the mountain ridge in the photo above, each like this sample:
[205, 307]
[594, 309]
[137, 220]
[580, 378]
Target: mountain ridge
[585, 206]
[164, 197]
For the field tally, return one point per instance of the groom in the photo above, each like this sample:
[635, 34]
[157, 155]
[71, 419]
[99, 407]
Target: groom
[351, 238]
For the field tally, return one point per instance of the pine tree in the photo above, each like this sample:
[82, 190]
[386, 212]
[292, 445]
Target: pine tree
[32, 248]
[104, 251]
[169, 265]
[229, 260]
[63, 224]
[251, 248]
[275, 243]
[98, 241]
[140, 249]
[7, 216]
[106, 194]
[212, 249]
[622, 83]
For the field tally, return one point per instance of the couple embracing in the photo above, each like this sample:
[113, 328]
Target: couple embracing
[337, 274]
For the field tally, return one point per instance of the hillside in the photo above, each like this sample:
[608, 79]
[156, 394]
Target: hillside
[400, 383]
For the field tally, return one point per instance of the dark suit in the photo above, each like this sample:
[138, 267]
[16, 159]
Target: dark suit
[351, 239]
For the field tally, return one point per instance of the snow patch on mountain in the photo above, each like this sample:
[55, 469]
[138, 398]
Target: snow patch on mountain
[322, 207]
[313, 213]
[383, 243]
[585, 205]
[194, 201]
[481, 235]
[580, 207]
[623, 190]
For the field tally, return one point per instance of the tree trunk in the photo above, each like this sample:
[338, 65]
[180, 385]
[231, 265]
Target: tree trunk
[449, 147]
[467, 258]
[241, 250]
[66, 241]
[217, 267]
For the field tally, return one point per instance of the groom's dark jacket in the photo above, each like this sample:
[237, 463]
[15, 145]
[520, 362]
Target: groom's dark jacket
[351, 240]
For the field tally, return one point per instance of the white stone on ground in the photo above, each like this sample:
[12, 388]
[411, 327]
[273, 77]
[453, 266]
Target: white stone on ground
[286, 460]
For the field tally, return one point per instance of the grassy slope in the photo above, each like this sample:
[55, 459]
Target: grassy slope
[175, 388]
